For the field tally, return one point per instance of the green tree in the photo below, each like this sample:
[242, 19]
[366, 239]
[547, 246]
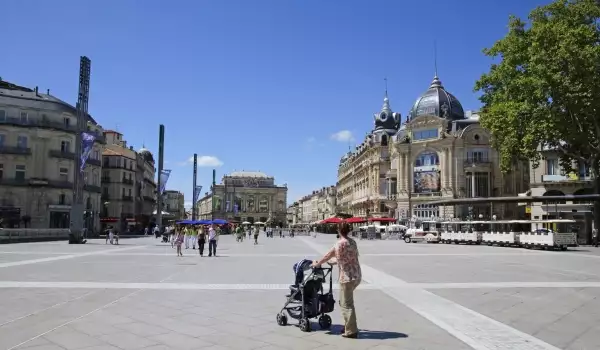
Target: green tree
[543, 89]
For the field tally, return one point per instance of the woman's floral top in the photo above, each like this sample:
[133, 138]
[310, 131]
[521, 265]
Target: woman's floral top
[346, 253]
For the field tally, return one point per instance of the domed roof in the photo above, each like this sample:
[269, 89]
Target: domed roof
[386, 120]
[436, 101]
[148, 157]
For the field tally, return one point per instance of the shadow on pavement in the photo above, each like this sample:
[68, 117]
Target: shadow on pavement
[367, 334]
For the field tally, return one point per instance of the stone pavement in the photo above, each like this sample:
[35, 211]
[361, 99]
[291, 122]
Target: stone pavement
[139, 295]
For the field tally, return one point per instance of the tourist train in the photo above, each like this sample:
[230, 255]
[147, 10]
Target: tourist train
[546, 234]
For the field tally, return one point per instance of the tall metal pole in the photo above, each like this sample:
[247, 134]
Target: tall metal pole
[76, 215]
[214, 182]
[194, 195]
[161, 154]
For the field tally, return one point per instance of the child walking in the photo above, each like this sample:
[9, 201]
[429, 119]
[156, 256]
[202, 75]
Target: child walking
[179, 242]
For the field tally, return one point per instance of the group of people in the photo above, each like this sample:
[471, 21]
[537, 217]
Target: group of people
[194, 234]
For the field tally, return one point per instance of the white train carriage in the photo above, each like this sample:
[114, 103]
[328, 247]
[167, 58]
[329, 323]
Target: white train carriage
[504, 232]
[461, 232]
[547, 234]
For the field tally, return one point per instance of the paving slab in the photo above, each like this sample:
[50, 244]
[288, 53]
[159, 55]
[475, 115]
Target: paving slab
[414, 296]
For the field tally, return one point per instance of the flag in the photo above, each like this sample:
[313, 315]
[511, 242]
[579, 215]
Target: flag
[87, 143]
[197, 194]
[164, 177]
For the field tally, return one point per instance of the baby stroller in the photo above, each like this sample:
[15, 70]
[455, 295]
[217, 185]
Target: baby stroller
[307, 299]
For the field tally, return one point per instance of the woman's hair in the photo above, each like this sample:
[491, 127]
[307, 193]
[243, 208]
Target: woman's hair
[344, 229]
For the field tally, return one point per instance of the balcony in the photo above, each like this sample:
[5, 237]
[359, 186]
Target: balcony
[55, 153]
[127, 181]
[13, 182]
[149, 199]
[477, 162]
[565, 178]
[127, 198]
[92, 188]
[426, 195]
[49, 124]
[117, 166]
[105, 179]
[15, 150]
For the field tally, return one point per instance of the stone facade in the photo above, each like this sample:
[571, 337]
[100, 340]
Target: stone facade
[246, 196]
[319, 205]
[550, 179]
[128, 185]
[174, 204]
[37, 160]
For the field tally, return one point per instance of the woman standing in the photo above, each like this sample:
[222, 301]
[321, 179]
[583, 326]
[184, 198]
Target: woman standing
[345, 251]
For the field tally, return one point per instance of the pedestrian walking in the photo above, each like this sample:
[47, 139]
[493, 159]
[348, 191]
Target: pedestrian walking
[194, 236]
[256, 233]
[201, 240]
[595, 237]
[179, 242]
[213, 238]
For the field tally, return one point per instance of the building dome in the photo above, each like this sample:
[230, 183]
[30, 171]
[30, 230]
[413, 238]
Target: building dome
[436, 101]
[148, 157]
[386, 120]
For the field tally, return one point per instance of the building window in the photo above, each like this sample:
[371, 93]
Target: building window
[2, 115]
[425, 134]
[96, 155]
[22, 141]
[427, 159]
[123, 192]
[20, 172]
[24, 117]
[129, 192]
[65, 146]
[552, 166]
[95, 181]
[2, 138]
[63, 174]
[426, 211]
[62, 199]
[1, 171]
[477, 155]
[67, 122]
[479, 186]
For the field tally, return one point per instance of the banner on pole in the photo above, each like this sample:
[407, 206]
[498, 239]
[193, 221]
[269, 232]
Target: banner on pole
[197, 194]
[87, 143]
[164, 177]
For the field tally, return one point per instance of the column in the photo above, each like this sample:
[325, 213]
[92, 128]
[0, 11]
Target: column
[446, 166]
[473, 187]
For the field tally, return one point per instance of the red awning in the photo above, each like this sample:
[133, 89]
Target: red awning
[382, 220]
[333, 220]
[355, 220]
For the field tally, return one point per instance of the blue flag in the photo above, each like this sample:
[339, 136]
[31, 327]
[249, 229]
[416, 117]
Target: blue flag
[87, 143]
[164, 177]
[197, 194]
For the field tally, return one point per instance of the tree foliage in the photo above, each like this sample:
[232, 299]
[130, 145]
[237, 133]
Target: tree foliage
[544, 87]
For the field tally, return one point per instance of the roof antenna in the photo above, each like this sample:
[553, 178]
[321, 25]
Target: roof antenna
[435, 57]
[386, 86]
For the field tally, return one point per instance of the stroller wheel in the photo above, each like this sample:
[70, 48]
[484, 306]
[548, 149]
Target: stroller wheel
[281, 319]
[305, 325]
[325, 321]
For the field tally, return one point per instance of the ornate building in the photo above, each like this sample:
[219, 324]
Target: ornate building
[361, 187]
[442, 152]
[246, 196]
[174, 204]
[37, 160]
[319, 205]
[128, 187]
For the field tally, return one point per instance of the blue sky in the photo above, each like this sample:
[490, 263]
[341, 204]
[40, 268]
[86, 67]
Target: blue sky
[258, 85]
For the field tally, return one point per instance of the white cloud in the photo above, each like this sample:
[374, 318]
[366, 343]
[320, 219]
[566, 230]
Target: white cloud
[204, 161]
[343, 136]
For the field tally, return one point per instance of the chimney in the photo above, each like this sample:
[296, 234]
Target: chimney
[48, 92]
[36, 91]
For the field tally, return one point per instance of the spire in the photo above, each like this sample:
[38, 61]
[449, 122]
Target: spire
[436, 83]
[386, 100]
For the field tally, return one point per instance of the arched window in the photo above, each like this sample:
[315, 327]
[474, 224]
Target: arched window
[88, 203]
[384, 140]
[580, 192]
[427, 158]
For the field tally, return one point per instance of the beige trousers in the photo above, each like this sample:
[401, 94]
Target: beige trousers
[347, 306]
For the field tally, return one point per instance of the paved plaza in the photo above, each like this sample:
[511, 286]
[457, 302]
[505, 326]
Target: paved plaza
[139, 295]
